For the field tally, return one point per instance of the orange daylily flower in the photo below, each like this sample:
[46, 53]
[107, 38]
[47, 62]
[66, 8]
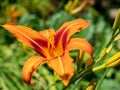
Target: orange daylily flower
[53, 48]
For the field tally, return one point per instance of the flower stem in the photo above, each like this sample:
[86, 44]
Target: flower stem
[76, 83]
[79, 77]
[107, 46]
[101, 80]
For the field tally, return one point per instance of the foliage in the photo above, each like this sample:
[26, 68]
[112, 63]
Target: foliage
[44, 14]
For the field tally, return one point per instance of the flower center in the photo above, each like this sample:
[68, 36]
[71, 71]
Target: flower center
[54, 51]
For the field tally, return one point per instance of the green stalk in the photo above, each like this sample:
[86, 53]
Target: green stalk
[101, 80]
[107, 46]
[78, 77]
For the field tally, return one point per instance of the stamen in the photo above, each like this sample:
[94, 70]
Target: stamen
[51, 45]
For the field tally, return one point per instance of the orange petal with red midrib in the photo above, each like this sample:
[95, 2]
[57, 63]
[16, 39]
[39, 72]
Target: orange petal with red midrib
[30, 66]
[29, 37]
[69, 28]
[63, 67]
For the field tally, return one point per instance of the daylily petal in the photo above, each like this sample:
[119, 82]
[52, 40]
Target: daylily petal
[30, 66]
[47, 33]
[78, 43]
[69, 28]
[29, 37]
[63, 67]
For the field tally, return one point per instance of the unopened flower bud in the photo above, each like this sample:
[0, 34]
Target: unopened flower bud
[92, 85]
[106, 51]
[116, 24]
[103, 52]
[113, 61]
[117, 38]
[109, 49]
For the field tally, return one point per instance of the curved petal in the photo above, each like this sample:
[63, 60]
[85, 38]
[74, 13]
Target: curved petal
[30, 66]
[78, 43]
[63, 67]
[64, 33]
[47, 33]
[29, 37]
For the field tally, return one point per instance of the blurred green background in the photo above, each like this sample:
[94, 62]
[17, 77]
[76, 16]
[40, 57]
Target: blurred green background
[44, 14]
